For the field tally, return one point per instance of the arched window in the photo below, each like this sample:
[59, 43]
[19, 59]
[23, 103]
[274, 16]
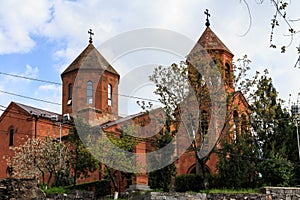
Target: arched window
[236, 124]
[89, 91]
[9, 171]
[204, 122]
[244, 125]
[70, 90]
[109, 94]
[228, 74]
[11, 137]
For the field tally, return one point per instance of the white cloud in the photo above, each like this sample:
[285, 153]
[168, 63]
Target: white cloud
[31, 72]
[19, 21]
[65, 23]
[50, 87]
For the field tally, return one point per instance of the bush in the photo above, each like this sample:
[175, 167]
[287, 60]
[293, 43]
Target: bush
[189, 182]
[62, 178]
[101, 188]
[56, 190]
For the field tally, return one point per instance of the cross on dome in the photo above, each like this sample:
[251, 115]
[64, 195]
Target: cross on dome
[207, 15]
[91, 33]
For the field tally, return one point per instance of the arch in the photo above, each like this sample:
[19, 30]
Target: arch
[192, 169]
[89, 91]
[109, 94]
[11, 133]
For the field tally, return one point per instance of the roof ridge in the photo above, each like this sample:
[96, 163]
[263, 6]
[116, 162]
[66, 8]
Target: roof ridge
[29, 108]
[209, 40]
[90, 57]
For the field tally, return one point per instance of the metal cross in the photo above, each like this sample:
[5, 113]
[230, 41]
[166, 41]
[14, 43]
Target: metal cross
[207, 15]
[91, 33]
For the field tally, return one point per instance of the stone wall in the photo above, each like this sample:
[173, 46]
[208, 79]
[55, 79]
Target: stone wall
[14, 189]
[268, 193]
[28, 189]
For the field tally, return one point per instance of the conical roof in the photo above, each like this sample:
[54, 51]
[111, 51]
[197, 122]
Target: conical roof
[210, 41]
[90, 58]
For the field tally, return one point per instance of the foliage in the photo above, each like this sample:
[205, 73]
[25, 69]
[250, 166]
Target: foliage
[237, 163]
[189, 182]
[101, 187]
[273, 131]
[162, 178]
[56, 190]
[110, 148]
[81, 161]
[36, 157]
[231, 191]
[62, 178]
[276, 171]
[280, 18]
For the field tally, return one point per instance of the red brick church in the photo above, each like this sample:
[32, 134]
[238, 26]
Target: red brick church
[91, 72]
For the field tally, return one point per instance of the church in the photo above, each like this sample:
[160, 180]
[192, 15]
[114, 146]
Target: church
[95, 99]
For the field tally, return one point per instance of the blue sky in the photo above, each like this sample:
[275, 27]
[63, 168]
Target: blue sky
[39, 39]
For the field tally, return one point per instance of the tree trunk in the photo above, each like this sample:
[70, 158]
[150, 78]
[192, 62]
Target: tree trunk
[75, 170]
[115, 184]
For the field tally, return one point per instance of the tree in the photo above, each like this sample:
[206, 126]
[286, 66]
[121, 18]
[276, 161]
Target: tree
[272, 129]
[279, 18]
[81, 160]
[114, 151]
[184, 89]
[38, 157]
[162, 178]
[237, 164]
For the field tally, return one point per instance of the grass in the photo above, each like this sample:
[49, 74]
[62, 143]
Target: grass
[231, 191]
[56, 190]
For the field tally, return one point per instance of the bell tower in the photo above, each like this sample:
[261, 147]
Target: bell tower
[90, 87]
[218, 52]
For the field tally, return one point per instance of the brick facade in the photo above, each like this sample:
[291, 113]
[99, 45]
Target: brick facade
[90, 92]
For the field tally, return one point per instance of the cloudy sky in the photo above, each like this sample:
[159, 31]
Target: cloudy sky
[39, 39]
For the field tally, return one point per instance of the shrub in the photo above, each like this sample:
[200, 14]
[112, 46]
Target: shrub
[189, 182]
[56, 190]
[101, 188]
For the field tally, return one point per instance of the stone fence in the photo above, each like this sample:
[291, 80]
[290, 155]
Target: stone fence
[27, 189]
[267, 193]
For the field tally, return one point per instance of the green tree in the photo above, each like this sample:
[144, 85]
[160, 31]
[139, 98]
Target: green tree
[162, 178]
[273, 132]
[112, 149]
[183, 91]
[237, 165]
[81, 160]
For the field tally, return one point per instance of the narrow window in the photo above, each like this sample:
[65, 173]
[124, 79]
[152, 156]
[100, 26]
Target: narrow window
[228, 74]
[89, 92]
[204, 122]
[11, 137]
[70, 90]
[235, 126]
[109, 94]
[9, 171]
[244, 125]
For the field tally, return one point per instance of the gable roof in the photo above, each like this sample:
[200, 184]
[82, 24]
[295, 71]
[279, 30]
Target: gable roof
[29, 110]
[90, 58]
[210, 41]
[36, 111]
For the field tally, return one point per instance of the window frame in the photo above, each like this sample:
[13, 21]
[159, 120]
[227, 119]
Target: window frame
[89, 92]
